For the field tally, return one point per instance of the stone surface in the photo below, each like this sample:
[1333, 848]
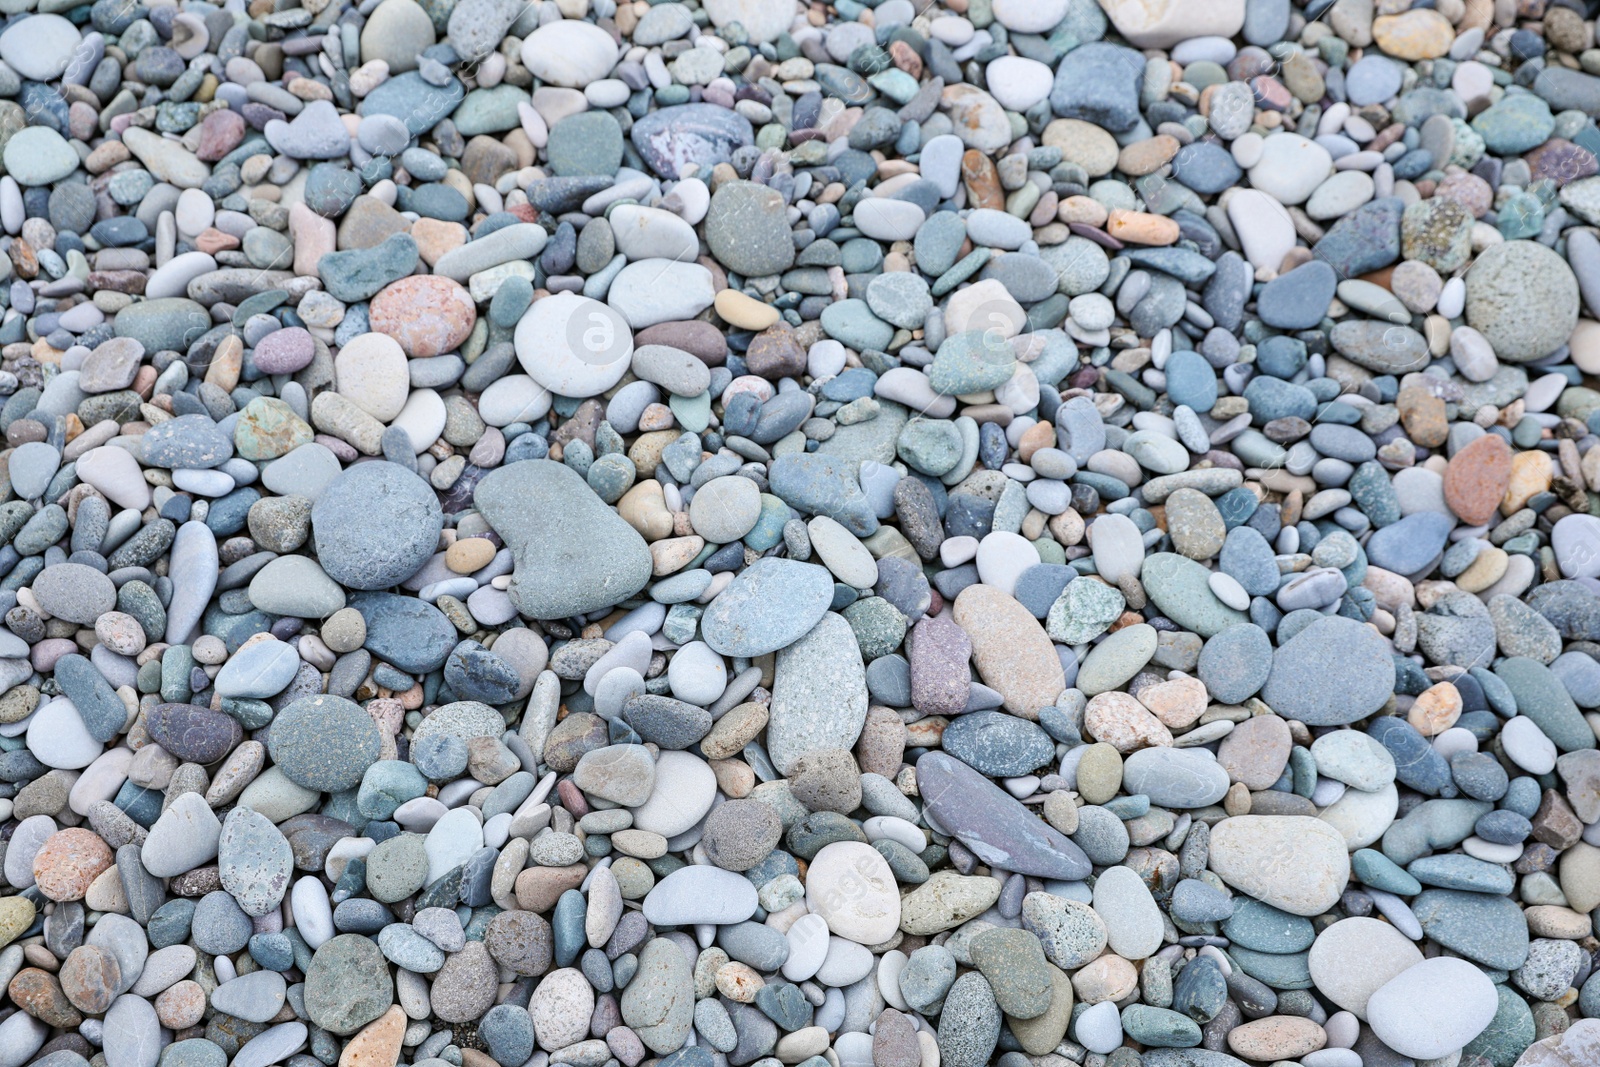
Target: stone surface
[1292, 862]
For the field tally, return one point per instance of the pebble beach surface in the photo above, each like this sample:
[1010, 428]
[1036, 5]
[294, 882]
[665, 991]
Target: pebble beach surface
[757, 533]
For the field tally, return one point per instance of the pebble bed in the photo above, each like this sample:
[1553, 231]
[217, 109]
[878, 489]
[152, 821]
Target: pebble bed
[750, 533]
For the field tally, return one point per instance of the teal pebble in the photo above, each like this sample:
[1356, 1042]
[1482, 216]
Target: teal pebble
[1374, 869]
[510, 301]
[1160, 1027]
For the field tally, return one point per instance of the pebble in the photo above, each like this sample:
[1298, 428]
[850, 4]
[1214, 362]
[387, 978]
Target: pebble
[1463, 1000]
[989, 821]
[1521, 274]
[1355, 957]
[1308, 690]
[851, 886]
[700, 895]
[1290, 168]
[1292, 862]
[767, 607]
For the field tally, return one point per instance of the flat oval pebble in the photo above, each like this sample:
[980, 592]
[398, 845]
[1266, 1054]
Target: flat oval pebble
[1463, 1001]
[700, 895]
[767, 607]
[1291, 862]
[851, 886]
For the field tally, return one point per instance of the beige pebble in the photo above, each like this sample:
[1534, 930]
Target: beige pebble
[1141, 228]
[1108, 978]
[181, 1005]
[1531, 473]
[1122, 722]
[378, 1043]
[747, 313]
[105, 893]
[644, 507]
[1436, 709]
[738, 982]
[1490, 566]
[1277, 1037]
[1082, 209]
[469, 554]
[1552, 920]
[673, 554]
[1177, 703]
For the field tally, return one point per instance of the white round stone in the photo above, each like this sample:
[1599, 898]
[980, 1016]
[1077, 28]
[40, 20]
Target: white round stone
[1229, 591]
[1018, 83]
[313, 913]
[173, 277]
[682, 795]
[1293, 862]
[763, 20]
[452, 841]
[700, 894]
[570, 53]
[1164, 23]
[1433, 1008]
[1003, 557]
[1353, 958]
[39, 46]
[1118, 547]
[573, 346]
[651, 233]
[697, 674]
[1099, 1028]
[1340, 195]
[1290, 168]
[1132, 917]
[115, 473]
[1528, 746]
[808, 947]
[884, 219]
[851, 886]
[1030, 16]
[1575, 539]
[846, 963]
[1362, 817]
[843, 553]
[645, 293]
[370, 372]
[423, 418]
[58, 738]
[514, 398]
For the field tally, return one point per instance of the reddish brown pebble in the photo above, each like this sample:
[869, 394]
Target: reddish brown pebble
[700, 339]
[776, 353]
[69, 861]
[427, 314]
[982, 180]
[91, 978]
[39, 994]
[538, 888]
[212, 240]
[572, 798]
[1476, 479]
[1423, 416]
[1257, 751]
[220, 134]
[181, 1005]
